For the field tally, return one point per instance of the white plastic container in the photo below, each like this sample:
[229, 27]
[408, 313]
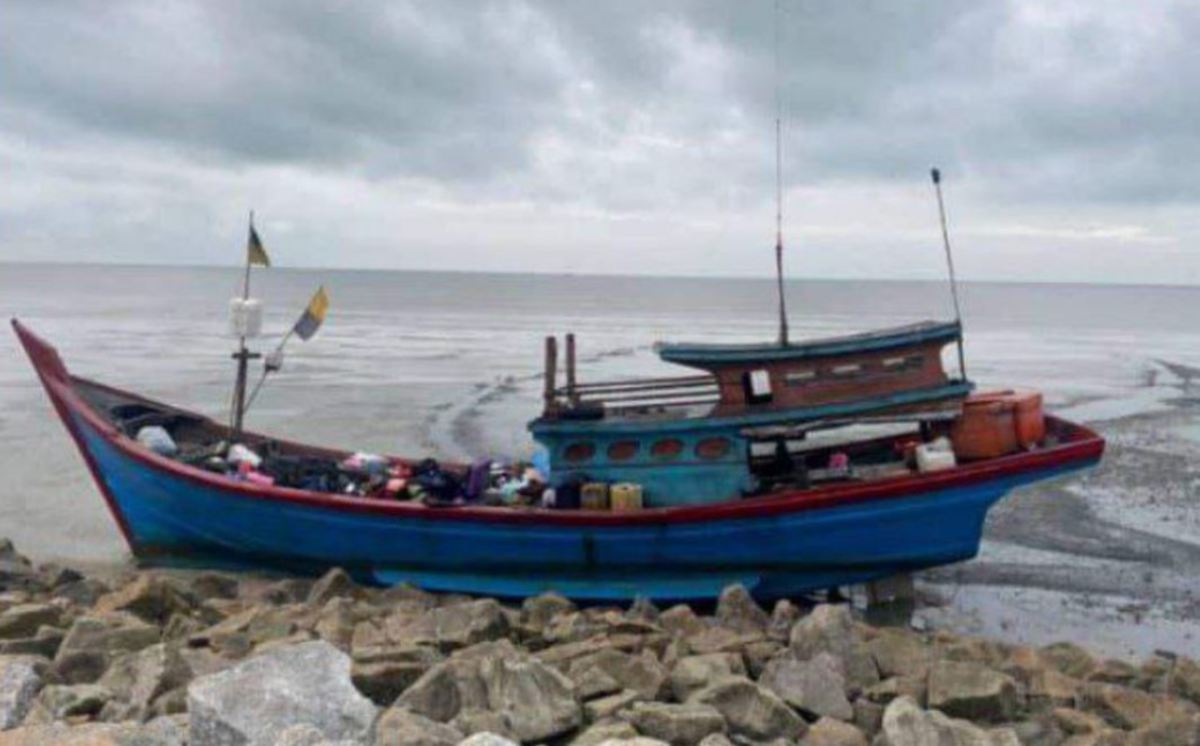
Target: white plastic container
[245, 317]
[935, 457]
[157, 439]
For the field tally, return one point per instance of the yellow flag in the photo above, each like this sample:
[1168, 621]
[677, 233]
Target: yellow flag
[255, 253]
[309, 321]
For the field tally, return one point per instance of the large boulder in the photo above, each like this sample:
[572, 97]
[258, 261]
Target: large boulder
[737, 610]
[19, 685]
[252, 703]
[906, 724]
[972, 691]
[678, 725]
[814, 687]
[751, 711]
[399, 725]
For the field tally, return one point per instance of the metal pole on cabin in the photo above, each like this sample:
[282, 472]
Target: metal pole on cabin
[571, 395]
[937, 187]
[783, 323]
[551, 375]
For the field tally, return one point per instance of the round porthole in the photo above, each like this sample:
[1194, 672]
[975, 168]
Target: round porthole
[713, 448]
[623, 450]
[581, 451]
[666, 449]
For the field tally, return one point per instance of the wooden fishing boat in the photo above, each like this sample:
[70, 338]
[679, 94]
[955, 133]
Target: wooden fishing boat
[786, 541]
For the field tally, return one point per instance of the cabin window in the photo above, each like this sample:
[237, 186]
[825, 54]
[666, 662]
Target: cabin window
[623, 450]
[907, 362]
[757, 386]
[846, 369]
[799, 377]
[581, 451]
[712, 449]
[667, 448]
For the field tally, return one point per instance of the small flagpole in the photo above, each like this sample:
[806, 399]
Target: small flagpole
[937, 186]
[242, 355]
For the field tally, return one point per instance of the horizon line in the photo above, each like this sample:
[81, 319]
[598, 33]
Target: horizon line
[614, 275]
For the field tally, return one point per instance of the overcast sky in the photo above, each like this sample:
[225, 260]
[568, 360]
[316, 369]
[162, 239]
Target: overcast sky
[615, 137]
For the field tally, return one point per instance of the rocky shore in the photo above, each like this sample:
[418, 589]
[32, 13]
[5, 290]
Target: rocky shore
[206, 659]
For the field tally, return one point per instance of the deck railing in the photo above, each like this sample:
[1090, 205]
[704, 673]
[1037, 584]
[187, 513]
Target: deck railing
[622, 395]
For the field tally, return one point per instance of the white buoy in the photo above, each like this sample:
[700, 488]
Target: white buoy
[245, 318]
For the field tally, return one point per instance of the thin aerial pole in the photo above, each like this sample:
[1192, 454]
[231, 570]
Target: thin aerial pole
[783, 322]
[937, 187]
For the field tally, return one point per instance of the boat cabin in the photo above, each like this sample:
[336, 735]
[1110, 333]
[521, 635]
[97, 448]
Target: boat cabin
[702, 438]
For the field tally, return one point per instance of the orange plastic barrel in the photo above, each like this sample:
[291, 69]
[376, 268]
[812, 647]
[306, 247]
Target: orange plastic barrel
[986, 429]
[997, 423]
[1030, 420]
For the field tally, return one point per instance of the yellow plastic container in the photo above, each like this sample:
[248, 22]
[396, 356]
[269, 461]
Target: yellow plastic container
[593, 496]
[626, 496]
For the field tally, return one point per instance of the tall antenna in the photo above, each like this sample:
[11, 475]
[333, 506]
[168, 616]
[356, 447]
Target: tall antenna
[783, 323]
[937, 187]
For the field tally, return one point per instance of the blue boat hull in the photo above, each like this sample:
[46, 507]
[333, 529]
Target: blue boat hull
[780, 545]
[173, 519]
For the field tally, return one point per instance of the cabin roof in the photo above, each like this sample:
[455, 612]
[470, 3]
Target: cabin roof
[706, 355]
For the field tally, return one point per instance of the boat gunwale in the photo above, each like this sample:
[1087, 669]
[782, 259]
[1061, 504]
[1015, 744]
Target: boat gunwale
[1081, 445]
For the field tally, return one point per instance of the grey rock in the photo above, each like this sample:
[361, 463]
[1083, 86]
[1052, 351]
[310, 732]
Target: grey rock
[829, 628]
[641, 673]
[470, 722]
[972, 691]
[537, 611]
[253, 702]
[749, 710]
[79, 666]
[23, 620]
[59, 702]
[677, 724]
[488, 739]
[598, 733]
[608, 707]
[694, 672]
[830, 732]
[538, 699]
[208, 585]
[399, 725]
[384, 673]
[109, 634]
[815, 687]
[737, 610]
[137, 679]
[333, 584]
[783, 617]
[151, 598]
[19, 685]
[906, 724]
